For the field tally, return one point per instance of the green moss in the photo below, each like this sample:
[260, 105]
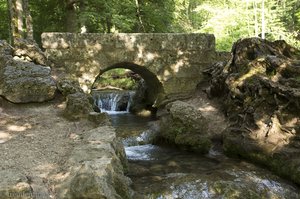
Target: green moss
[185, 137]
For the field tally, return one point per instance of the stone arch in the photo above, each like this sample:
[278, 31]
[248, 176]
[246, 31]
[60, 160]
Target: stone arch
[154, 87]
[174, 60]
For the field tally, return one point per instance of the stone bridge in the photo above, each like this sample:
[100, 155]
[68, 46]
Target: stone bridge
[171, 64]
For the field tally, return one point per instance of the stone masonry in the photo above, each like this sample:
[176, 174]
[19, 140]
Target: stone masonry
[171, 64]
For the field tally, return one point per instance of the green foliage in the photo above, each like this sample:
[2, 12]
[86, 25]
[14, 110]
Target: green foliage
[4, 19]
[48, 16]
[116, 78]
[228, 20]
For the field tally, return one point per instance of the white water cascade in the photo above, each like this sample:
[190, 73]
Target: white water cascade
[113, 102]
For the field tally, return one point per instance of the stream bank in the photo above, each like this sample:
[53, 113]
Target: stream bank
[163, 172]
[260, 91]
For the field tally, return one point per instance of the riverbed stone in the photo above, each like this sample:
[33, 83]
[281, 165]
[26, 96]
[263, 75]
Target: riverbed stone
[78, 106]
[185, 126]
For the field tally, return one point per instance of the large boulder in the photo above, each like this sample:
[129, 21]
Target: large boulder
[5, 48]
[23, 81]
[29, 49]
[68, 86]
[78, 106]
[261, 91]
[185, 126]
[96, 168]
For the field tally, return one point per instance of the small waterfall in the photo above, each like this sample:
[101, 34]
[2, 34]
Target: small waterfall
[113, 101]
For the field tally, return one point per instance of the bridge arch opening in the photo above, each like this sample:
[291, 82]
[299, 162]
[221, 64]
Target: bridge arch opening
[152, 90]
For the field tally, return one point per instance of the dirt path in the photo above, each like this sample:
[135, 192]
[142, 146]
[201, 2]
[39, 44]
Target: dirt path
[35, 141]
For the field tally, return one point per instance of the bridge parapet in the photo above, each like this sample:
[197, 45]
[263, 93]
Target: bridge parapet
[171, 61]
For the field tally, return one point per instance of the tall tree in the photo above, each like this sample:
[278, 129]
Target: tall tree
[71, 15]
[138, 14]
[28, 20]
[263, 22]
[19, 13]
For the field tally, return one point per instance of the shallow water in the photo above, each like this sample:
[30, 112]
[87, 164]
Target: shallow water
[164, 172]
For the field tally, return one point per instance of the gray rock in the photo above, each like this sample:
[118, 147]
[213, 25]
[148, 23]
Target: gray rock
[99, 118]
[78, 106]
[96, 168]
[30, 50]
[23, 82]
[68, 86]
[185, 126]
[5, 48]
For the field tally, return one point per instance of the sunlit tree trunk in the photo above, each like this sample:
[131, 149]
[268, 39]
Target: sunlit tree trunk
[255, 18]
[14, 20]
[248, 21]
[20, 20]
[28, 20]
[138, 13]
[263, 22]
[19, 14]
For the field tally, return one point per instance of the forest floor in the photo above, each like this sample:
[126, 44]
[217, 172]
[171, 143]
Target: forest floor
[35, 141]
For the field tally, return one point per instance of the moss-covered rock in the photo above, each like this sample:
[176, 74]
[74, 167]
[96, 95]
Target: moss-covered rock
[185, 126]
[261, 99]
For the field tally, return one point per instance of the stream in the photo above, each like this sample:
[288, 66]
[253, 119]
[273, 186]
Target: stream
[164, 172]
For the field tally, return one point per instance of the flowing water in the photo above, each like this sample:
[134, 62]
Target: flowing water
[163, 172]
[113, 101]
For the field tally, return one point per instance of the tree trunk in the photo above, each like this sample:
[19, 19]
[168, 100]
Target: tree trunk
[14, 20]
[28, 20]
[263, 23]
[138, 14]
[255, 18]
[108, 24]
[19, 13]
[82, 20]
[248, 21]
[71, 16]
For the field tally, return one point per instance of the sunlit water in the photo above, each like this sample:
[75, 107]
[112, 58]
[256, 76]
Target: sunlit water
[165, 173]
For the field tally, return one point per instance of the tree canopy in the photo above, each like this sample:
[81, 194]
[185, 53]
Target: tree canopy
[229, 20]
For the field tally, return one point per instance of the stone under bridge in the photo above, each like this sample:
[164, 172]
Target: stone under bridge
[171, 64]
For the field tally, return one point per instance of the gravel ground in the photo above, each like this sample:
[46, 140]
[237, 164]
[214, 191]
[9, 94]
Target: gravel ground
[35, 141]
